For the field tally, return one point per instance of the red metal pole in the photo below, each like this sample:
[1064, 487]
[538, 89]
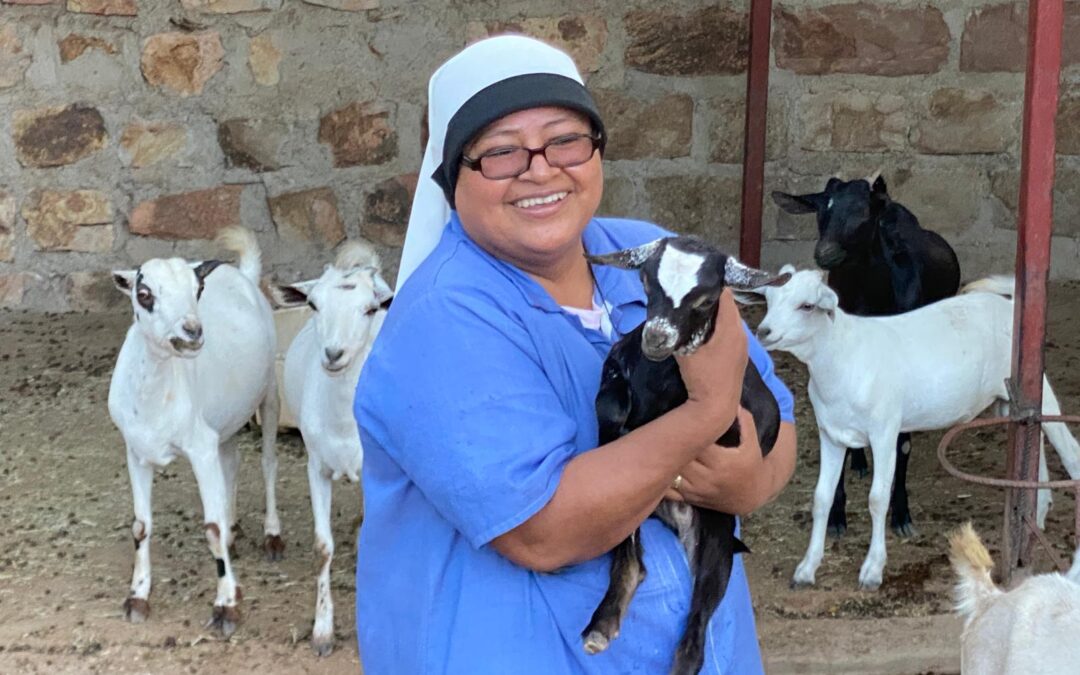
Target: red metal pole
[757, 95]
[1045, 18]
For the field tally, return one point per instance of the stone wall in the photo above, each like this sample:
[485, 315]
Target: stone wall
[137, 128]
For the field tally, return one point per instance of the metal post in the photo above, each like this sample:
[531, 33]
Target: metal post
[757, 95]
[1032, 268]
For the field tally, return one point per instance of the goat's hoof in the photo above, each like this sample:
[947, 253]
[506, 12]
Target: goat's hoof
[322, 646]
[869, 585]
[798, 584]
[837, 531]
[274, 546]
[905, 531]
[224, 621]
[136, 610]
[596, 642]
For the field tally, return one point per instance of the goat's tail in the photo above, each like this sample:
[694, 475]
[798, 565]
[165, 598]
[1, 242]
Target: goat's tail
[972, 564]
[998, 284]
[357, 253]
[242, 241]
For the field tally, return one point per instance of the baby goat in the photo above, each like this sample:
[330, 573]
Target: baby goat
[1029, 629]
[322, 367]
[683, 278]
[195, 364]
[874, 377]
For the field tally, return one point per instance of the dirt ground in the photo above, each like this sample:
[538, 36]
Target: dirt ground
[66, 555]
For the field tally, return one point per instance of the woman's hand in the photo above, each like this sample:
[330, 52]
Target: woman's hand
[738, 480]
[713, 375]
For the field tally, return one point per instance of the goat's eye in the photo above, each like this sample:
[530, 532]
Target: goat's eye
[144, 296]
[701, 302]
[807, 307]
[311, 304]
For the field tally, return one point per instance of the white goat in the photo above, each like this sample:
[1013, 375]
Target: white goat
[322, 367]
[191, 372]
[1029, 629]
[874, 377]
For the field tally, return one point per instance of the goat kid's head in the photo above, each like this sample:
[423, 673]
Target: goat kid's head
[164, 296]
[845, 212]
[798, 308]
[345, 300]
[683, 278]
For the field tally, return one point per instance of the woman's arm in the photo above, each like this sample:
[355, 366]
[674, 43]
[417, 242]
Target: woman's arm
[605, 494]
[739, 480]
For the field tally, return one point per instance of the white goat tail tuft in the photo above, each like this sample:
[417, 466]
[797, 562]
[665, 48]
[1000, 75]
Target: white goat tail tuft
[356, 253]
[972, 564]
[242, 241]
[998, 284]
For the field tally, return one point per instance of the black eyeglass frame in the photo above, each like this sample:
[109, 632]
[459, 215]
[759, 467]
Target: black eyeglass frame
[596, 138]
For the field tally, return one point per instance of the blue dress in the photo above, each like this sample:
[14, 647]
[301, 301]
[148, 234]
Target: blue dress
[477, 392]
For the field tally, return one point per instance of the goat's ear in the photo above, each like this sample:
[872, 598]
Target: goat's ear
[740, 277]
[287, 296]
[878, 187]
[383, 292]
[124, 280]
[808, 203]
[203, 269]
[627, 259]
[788, 269]
[827, 300]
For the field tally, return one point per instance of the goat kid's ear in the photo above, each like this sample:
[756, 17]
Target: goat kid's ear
[753, 297]
[808, 203]
[827, 300]
[287, 296]
[878, 186]
[740, 277]
[203, 269]
[124, 280]
[383, 292]
[627, 259]
[788, 269]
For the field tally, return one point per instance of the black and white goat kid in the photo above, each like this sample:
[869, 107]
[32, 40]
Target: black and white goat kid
[683, 278]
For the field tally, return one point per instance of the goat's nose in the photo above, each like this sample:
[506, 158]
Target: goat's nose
[332, 355]
[193, 329]
[763, 332]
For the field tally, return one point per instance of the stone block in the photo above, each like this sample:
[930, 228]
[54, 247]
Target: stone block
[200, 214]
[710, 41]
[14, 59]
[995, 38]
[252, 143]
[386, 210]
[264, 57]
[74, 220]
[346, 5]
[7, 227]
[308, 216]
[359, 134]
[74, 45]
[854, 121]
[946, 201]
[146, 143]
[642, 129]
[964, 121]
[94, 292]
[182, 62]
[583, 37]
[47, 137]
[726, 124]
[707, 206]
[104, 7]
[12, 288]
[230, 6]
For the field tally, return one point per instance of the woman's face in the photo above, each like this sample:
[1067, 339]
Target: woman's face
[500, 215]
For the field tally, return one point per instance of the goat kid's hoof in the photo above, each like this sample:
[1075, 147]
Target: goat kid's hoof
[224, 621]
[869, 584]
[322, 646]
[274, 546]
[837, 531]
[798, 585]
[596, 642]
[136, 610]
[905, 531]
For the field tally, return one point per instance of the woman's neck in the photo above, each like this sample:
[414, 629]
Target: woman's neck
[568, 280]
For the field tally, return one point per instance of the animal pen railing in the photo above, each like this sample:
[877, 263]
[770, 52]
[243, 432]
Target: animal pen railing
[1045, 21]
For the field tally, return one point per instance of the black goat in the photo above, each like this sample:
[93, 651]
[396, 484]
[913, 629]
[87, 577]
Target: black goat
[880, 262]
[683, 278]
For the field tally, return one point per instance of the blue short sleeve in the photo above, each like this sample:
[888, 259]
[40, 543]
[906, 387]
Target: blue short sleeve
[763, 362]
[479, 428]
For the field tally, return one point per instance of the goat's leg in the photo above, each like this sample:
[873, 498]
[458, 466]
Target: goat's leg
[1060, 437]
[322, 634]
[838, 512]
[715, 553]
[269, 409]
[211, 480]
[230, 465]
[858, 462]
[832, 463]
[627, 573]
[900, 517]
[137, 604]
[883, 445]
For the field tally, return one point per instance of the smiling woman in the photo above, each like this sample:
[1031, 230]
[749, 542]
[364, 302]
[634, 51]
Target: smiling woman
[483, 469]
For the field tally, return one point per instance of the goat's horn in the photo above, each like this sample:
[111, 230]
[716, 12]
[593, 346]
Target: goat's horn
[627, 259]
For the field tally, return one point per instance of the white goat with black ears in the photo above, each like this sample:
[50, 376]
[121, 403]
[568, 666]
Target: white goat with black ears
[874, 377]
[322, 367]
[196, 363]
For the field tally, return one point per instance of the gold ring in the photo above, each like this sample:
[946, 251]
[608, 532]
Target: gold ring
[677, 483]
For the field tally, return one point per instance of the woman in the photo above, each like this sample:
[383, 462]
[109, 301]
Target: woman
[489, 508]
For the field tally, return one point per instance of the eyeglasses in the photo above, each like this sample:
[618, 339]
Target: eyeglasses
[510, 162]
